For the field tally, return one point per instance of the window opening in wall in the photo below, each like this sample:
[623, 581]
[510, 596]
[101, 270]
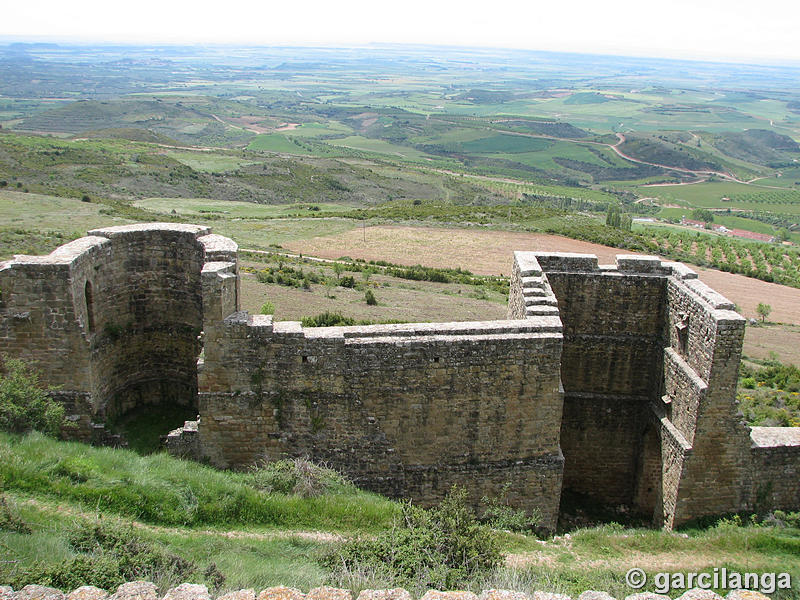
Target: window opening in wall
[682, 332]
[89, 297]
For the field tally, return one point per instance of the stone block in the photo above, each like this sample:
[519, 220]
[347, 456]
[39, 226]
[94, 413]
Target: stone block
[392, 594]
[329, 593]
[88, 592]
[699, 594]
[503, 595]
[281, 593]
[188, 591]
[39, 592]
[450, 595]
[135, 590]
[248, 594]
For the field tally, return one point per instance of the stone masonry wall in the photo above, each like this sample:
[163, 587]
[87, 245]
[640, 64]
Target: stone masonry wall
[703, 341]
[144, 590]
[113, 319]
[404, 410]
[775, 467]
[612, 319]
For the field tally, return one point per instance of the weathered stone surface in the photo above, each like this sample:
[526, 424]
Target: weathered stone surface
[7, 592]
[699, 594]
[87, 592]
[248, 594]
[550, 596]
[392, 594]
[450, 595]
[502, 595]
[281, 593]
[647, 596]
[135, 590]
[595, 595]
[329, 593]
[746, 595]
[39, 592]
[188, 591]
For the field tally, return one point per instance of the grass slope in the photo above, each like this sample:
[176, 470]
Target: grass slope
[161, 490]
[62, 491]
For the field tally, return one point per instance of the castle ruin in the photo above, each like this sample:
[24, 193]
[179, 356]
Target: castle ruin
[613, 381]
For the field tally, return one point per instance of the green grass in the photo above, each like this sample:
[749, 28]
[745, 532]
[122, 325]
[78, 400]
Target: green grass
[143, 427]
[377, 146]
[313, 130]
[60, 487]
[52, 213]
[162, 490]
[276, 142]
[210, 162]
[232, 209]
[247, 559]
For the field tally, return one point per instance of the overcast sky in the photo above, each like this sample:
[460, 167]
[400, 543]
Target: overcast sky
[765, 31]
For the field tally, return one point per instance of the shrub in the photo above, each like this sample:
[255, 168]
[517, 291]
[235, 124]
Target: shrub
[369, 298]
[327, 319]
[108, 555]
[9, 520]
[499, 514]
[268, 308]
[439, 548]
[297, 476]
[24, 404]
[749, 383]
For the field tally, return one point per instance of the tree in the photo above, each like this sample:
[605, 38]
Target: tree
[763, 311]
[25, 403]
[338, 268]
[613, 218]
[703, 214]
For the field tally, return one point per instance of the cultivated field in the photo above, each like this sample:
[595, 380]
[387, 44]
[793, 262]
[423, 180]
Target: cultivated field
[491, 252]
[482, 252]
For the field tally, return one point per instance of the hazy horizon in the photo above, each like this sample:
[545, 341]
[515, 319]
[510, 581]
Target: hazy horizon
[712, 31]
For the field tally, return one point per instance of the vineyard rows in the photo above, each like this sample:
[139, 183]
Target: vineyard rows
[768, 262]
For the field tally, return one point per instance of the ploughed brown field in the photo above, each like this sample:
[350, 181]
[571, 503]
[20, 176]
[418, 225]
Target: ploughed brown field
[489, 253]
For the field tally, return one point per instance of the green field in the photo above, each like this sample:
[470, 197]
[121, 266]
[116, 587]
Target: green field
[379, 147]
[230, 209]
[208, 162]
[276, 142]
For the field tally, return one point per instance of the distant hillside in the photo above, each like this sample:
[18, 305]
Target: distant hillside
[188, 120]
[587, 98]
[130, 133]
[759, 146]
[658, 151]
[552, 128]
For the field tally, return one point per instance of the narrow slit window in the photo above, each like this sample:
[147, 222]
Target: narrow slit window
[89, 296]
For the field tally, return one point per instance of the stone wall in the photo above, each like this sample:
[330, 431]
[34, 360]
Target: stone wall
[613, 318]
[649, 366]
[629, 368]
[144, 590]
[703, 341]
[113, 319]
[775, 467]
[404, 410]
